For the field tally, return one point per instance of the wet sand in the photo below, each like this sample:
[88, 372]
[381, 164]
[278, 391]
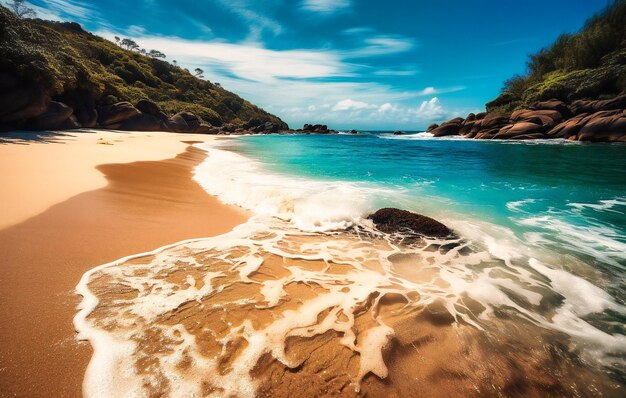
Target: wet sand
[143, 205]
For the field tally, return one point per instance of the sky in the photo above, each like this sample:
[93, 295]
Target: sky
[363, 64]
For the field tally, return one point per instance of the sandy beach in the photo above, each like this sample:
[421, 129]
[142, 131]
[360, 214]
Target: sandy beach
[71, 202]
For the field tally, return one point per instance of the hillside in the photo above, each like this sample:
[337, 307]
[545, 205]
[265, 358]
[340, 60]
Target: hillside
[588, 65]
[48, 67]
[574, 89]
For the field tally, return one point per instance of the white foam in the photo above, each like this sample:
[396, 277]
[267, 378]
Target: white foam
[602, 205]
[517, 205]
[599, 241]
[500, 272]
[312, 205]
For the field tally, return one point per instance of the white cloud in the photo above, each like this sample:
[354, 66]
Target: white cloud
[325, 6]
[429, 110]
[72, 8]
[247, 61]
[393, 72]
[349, 104]
[387, 107]
[257, 22]
[432, 90]
[381, 45]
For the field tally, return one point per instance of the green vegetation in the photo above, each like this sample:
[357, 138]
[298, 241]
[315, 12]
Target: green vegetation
[63, 58]
[588, 65]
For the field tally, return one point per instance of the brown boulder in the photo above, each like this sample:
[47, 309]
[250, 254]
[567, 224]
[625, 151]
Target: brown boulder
[113, 115]
[568, 128]
[54, 118]
[516, 130]
[187, 122]
[544, 117]
[18, 104]
[584, 106]
[451, 127]
[485, 135]
[604, 126]
[432, 127]
[466, 126]
[150, 108]
[492, 120]
[553, 105]
[392, 220]
[84, 105]
[143, 122]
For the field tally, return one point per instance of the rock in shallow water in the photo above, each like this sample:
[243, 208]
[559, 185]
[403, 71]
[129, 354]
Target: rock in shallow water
[392, 220]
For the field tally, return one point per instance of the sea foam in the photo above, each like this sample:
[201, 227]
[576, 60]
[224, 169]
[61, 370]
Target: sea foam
[201, 315]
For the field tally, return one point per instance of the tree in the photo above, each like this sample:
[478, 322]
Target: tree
[20, 9]
[199, 73]
[216, 84]
[117, 40]
[129, 44]
[174, 62]
[156, 54]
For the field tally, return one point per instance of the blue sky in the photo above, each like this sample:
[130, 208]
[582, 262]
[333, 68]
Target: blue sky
[394, 64]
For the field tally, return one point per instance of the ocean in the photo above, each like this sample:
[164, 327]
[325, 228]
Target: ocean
[533, 283]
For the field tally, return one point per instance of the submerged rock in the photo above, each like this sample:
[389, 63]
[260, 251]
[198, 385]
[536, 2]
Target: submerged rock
[392, 220]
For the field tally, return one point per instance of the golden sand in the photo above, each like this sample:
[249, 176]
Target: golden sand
[57, 233]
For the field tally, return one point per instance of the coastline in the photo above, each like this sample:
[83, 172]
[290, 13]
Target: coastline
[105, 208]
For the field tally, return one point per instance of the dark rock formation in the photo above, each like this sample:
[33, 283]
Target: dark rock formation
[392, 220]
[398, 132]
[317, 129]
[150, 108]
[601, 120]
[143, 122]
[112, 115]
[84, 105]
[19, 101]
[55, 117]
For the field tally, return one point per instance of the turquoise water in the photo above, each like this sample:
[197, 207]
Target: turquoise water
[565, 197]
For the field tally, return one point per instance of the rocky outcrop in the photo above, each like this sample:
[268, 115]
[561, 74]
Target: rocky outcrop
[451, 127]
[392, 220]
[597, 121]
[28, 108]
[317, 129]
[57, 116]
[112, 116]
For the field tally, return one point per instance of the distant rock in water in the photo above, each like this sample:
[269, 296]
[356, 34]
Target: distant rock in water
[392, 220]
[398, 132]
